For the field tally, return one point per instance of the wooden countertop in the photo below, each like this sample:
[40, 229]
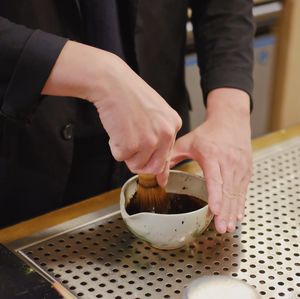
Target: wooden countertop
[40, 223]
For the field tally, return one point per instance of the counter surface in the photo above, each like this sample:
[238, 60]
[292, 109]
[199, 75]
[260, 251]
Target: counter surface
[51, 219]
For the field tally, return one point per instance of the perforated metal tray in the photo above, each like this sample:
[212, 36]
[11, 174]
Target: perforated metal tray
[102, 259]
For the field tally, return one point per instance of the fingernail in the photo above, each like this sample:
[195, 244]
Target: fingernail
[222, 226]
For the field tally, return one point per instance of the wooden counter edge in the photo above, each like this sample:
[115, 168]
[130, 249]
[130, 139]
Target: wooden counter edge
[43, 222]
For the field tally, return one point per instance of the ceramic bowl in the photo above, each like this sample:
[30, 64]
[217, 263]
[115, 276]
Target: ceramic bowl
[215, 287]
[168, 231]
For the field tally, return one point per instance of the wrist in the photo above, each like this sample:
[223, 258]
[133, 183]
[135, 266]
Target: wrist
[103, 76]
[229, 101]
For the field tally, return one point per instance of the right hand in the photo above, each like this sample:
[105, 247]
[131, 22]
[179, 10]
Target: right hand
[142, 127]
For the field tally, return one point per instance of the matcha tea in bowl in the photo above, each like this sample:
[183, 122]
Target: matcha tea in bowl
[185, 219]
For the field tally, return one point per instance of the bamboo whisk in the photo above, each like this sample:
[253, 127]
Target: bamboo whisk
[150, 197]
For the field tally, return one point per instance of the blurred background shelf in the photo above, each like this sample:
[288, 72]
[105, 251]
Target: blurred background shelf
[277, 64]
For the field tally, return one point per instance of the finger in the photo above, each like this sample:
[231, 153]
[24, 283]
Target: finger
[119, 153]
[234, 204]
[212, 174]
[221, 220]
[239, 171]
[157, 161]
[241, 205]
[139, 160]
[162, 178]
[241, 180]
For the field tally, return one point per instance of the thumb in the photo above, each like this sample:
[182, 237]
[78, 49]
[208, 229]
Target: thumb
[181, 149]
[162, 178]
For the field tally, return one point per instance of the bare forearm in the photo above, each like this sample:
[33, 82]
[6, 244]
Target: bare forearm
[79, 70]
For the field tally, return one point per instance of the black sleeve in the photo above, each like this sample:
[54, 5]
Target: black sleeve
[224, 32]
[26, 59]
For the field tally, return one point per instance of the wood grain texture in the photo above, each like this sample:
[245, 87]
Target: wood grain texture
[286, 93]
[34, 225]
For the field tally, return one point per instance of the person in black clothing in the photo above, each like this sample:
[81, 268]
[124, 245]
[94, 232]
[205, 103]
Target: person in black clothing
[75, 97]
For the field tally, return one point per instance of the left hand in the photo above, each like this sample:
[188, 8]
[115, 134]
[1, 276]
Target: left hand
[222, 147]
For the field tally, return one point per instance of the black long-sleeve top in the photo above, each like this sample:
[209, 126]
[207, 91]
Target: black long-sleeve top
[40, 151]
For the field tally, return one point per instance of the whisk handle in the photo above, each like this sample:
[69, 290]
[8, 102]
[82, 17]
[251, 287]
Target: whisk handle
[147, 180]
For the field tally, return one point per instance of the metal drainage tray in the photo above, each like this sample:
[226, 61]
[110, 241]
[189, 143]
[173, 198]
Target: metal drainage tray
[102, 259]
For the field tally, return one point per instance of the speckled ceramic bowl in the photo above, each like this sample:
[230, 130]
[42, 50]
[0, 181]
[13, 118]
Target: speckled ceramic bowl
[168, 231]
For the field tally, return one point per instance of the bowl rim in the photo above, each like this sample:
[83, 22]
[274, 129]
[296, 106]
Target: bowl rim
[133, 178]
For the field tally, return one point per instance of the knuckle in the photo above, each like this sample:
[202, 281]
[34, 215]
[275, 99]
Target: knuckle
[167, 133]
[178, 122]
[151, 142]
[134, 166]
[211, 150]
[117, 153]
[118, 156]
[232, 156]
[155, 167]
[131, 148]
[248, 170]
[249, 173]
[124, 151]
